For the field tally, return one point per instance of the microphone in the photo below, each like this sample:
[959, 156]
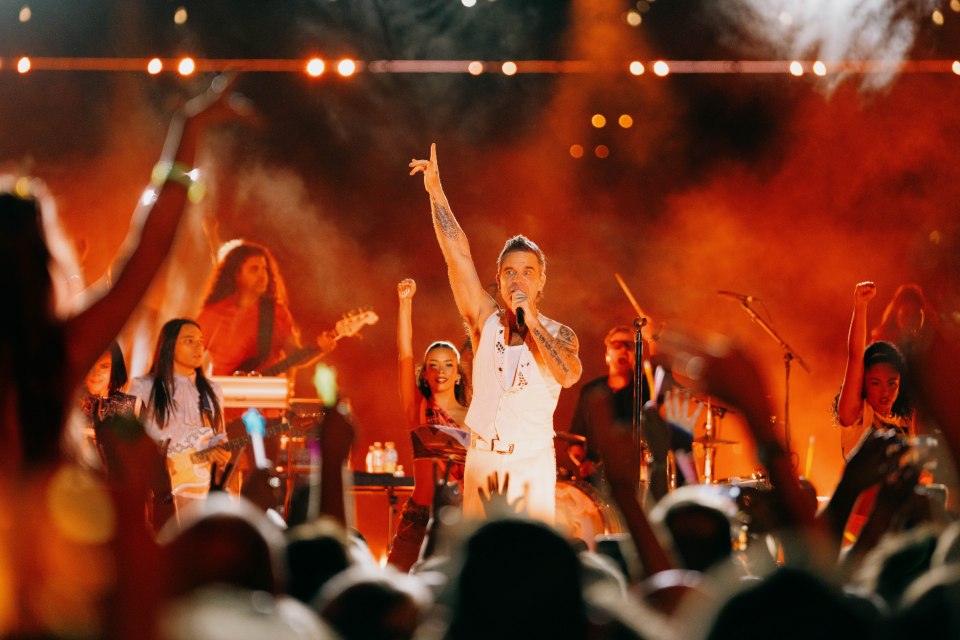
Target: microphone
[520, 317]
[738, 296]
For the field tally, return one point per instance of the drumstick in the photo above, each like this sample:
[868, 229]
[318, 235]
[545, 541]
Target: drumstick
[648, 372]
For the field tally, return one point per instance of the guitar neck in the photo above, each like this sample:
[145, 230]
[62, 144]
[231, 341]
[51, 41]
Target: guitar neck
[297, 357]
[274, 426]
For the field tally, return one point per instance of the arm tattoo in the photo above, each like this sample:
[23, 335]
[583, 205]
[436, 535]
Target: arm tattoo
[567, 337]
[550, 349]
[445, 221]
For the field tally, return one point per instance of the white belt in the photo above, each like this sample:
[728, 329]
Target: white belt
[497, 445]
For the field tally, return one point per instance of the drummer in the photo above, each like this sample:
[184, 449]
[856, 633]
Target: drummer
[582, 459]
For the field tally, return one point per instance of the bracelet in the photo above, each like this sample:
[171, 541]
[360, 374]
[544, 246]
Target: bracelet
[166, 171]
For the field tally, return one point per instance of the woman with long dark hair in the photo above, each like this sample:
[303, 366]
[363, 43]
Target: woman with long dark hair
[434, 396]
[182, 406]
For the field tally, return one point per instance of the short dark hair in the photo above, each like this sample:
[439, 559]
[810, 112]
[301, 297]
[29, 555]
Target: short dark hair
[523, 243]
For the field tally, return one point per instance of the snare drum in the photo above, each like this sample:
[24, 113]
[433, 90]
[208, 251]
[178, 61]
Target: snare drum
[582, 514]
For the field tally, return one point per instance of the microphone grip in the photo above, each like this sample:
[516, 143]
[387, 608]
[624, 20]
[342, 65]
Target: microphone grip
[520, 317]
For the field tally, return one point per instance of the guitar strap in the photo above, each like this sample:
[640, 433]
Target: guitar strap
[264, 335]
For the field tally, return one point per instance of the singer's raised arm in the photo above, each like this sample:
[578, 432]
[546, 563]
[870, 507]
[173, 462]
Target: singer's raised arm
[473, 302]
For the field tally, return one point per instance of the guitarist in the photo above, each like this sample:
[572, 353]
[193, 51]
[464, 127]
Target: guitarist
[245, 315]
[179, 405]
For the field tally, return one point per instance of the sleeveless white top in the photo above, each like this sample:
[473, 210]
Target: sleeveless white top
[517, 410]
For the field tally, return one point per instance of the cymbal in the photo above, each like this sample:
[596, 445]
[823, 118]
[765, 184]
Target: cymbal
[712, 441]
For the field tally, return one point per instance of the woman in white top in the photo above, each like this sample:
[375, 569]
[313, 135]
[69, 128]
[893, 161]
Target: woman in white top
[181, 405]
[870, 395]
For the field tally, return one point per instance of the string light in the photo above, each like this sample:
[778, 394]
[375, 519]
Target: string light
[187, 66]
[576, 151]
[625, 121]
[315, 67]
[23, 64]
[346, 67]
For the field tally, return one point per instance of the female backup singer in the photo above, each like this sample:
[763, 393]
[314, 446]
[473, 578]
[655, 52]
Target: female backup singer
[434, 399]
[182, 406]
[870, 395]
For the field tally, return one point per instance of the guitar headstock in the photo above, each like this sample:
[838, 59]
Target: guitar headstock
[353, 321]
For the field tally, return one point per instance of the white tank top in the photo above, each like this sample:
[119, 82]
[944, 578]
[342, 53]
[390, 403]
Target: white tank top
[517, 409]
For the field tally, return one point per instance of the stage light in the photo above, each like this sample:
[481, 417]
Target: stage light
[23, 64]
[576, 151]
[601, 151]
[475, 68]
[955, 5]
[186, 66]
[625, 121]
[819, 68]
[346, 67]
[509, 68]
[634, 19]
[937, 17]
[661, 68]
[955, 67]
[315, 67]
[180, 15]
[796, 68]
[25, 13]
[636, 68]
[598, 121]
[155, 66]
[468, 3]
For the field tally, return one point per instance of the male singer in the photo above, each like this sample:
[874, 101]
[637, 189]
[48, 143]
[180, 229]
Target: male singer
[521, 360]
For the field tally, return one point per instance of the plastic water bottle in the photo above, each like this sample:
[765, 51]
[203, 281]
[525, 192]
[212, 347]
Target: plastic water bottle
[378, 457]
[390, 458]
[369, 461]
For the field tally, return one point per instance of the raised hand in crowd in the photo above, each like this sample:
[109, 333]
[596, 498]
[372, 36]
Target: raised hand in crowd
[676, 407]
[620, 453]
[873, 460]
[445, 511]
[495, 502]
[336, 437]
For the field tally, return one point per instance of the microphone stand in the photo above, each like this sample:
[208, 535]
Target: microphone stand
[638, 324]
[789, 355]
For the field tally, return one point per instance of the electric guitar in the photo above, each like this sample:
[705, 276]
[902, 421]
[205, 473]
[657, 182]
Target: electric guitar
[348, 326]
[190, 470]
